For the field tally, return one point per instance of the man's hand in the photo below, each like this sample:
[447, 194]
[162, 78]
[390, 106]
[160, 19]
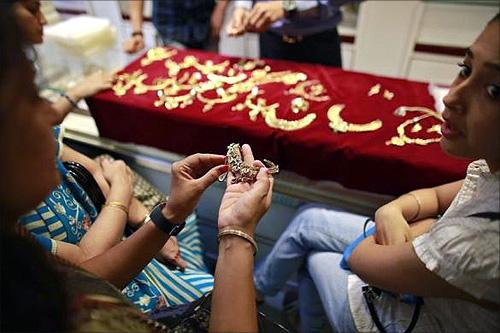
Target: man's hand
[263, 14]
[190, 178]
[238, 22]
[133, 44]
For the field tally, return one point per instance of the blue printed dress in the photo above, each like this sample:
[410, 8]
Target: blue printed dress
[66, 215]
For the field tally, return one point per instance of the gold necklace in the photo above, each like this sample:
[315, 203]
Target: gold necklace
[339, 125]
[402, 139]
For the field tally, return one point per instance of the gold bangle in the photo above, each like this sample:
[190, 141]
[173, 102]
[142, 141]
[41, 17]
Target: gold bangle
[118, 205]
[241, 234]
[419, 205]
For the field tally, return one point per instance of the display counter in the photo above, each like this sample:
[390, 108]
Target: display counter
[365, 132]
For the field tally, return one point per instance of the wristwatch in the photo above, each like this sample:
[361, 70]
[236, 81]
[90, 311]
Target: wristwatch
[290, 8]
[164, 224]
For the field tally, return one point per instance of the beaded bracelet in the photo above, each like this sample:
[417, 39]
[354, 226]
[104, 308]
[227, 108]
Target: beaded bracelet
[118, 205]
[241, 234]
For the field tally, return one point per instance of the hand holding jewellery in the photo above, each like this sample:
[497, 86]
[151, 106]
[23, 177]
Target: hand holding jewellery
[243, 172]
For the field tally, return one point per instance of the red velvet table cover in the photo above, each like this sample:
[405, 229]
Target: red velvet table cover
[356, 160]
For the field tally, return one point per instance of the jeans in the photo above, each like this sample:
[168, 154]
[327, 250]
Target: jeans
[312, 245]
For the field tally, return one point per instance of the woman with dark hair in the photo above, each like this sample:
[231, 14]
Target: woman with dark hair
[69, 225]
[440, 244]
[32, 21]
[40, 292]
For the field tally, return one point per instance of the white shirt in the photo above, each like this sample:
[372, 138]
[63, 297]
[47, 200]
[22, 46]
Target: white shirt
[465, 251]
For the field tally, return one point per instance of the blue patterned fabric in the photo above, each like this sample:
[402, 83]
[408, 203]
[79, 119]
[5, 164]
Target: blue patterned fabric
[183, 21]
[66, 215]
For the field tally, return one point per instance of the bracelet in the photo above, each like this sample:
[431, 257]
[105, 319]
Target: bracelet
[241, 234]
[137, 33]
[118, 205]
[419, 205]
[70, 100]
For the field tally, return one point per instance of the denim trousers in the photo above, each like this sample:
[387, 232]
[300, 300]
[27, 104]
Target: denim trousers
[312, 245]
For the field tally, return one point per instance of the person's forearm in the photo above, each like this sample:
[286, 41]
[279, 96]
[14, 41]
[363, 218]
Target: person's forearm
[136, 9]
[63, 106]
[221, 5]
[233, 300]
[423, 203]
[120, 264]
[107, 230]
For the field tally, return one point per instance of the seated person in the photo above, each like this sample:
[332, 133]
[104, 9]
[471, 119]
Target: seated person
[452, 262]
[31, 20]
[40, 293]
[68, 225]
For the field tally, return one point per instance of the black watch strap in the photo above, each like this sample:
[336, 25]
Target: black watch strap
[162, 223]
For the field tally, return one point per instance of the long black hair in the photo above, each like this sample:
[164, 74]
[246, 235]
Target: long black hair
[32, 291]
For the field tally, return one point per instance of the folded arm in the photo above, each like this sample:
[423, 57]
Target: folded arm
[393, 220]
[397, 268]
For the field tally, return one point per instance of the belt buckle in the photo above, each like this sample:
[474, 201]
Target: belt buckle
[292, 39]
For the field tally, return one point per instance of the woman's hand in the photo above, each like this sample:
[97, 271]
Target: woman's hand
[391, 226]
[92, 84]
[244, 204]
[190, 178]
[119, 176]
[170, 253]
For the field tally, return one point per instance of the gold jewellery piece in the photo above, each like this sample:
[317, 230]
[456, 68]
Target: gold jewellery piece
[315, 93]
[268, 112]
[374, 90]
[299, 104]
[388, 95]
[157, 54]
[242, 172]
[241, 234]
[117, 204]
[402, 139]
[339, 125]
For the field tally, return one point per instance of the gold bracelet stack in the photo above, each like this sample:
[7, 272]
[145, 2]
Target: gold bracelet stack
[419, 205]
[118, 205]
[241, 234]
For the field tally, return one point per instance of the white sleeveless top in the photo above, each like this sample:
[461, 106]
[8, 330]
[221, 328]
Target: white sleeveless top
[465, 251]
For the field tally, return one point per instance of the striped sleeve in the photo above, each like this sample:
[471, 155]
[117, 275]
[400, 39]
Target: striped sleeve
[47, 243]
